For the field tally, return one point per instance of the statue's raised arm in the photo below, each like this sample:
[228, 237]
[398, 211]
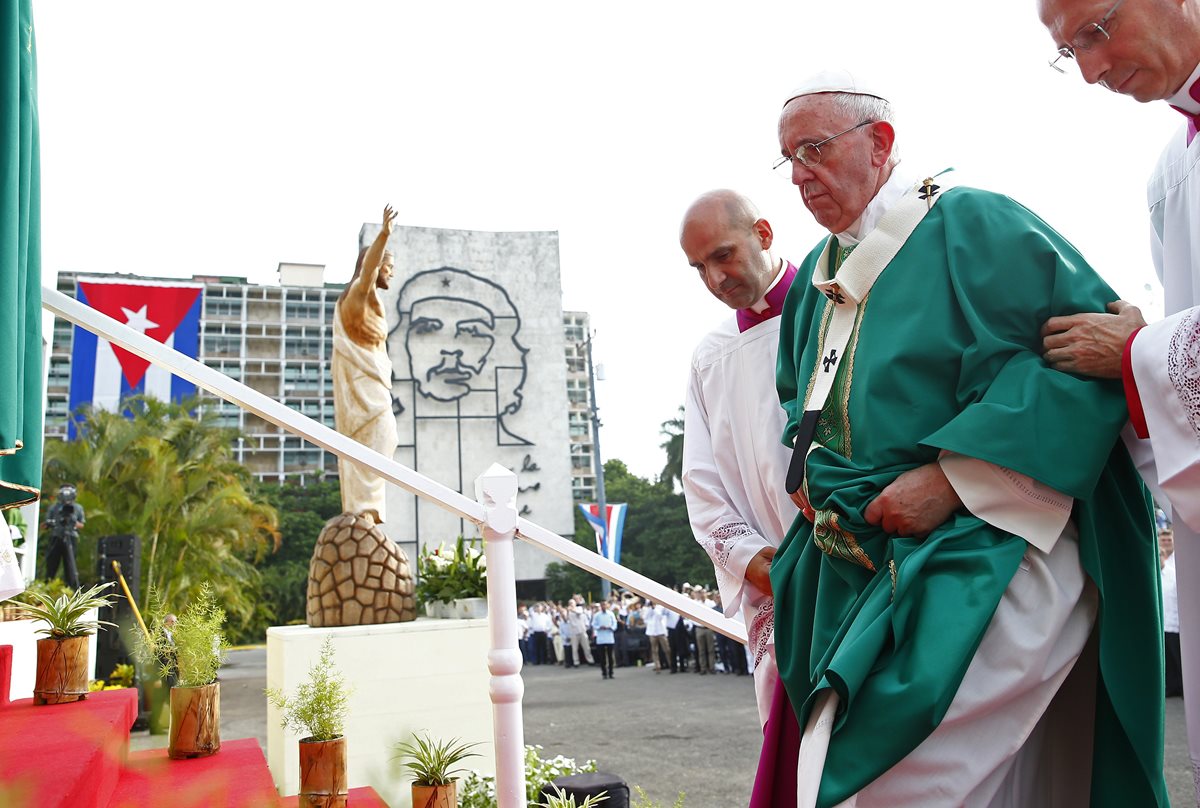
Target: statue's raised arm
[361, 312]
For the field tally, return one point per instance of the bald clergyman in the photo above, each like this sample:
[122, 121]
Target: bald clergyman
[732, 458]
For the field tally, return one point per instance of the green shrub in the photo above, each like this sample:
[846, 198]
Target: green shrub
[191, 650]
[318, 710]
[560, 799]
[434, 763]
[479, 791]
[64, 615]
[640, 800]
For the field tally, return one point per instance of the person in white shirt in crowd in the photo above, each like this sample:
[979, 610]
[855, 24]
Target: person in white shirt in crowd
[706, 650]
[562, 638]
[541, 626]
[523, 634]
[656, 631]
[678, 639]
[604, 624]
[580, 621]
[1170, 601]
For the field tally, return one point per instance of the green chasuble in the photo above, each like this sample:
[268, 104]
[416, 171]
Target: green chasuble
[20, 264]
[946, 355]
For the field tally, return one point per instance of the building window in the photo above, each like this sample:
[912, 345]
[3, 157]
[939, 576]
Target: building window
[221, 307]
[301, 347]
[60, 373]
[219, 345]
[302, 311]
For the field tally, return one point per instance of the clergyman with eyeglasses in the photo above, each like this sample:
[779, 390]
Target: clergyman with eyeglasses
[969, 516]
[1150, 50]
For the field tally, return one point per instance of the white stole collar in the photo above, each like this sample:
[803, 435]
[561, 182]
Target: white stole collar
[852, 285]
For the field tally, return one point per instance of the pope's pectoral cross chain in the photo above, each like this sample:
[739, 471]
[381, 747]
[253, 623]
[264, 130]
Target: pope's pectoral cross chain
[831, 360]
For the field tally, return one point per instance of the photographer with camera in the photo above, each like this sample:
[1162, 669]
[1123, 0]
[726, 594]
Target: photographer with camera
[63, 520]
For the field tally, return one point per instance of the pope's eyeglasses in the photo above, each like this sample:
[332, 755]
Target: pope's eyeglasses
[809, 154]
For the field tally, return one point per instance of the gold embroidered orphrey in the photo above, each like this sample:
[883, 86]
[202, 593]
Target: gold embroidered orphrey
[834, 540]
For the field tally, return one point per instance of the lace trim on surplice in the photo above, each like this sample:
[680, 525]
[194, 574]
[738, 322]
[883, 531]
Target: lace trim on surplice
[762, 630]
[1183, 367]
[719, 543]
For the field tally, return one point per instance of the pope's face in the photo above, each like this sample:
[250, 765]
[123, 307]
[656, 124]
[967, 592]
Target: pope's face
[835, 191]
[732, 260]
[448, 344]
[1151, 50]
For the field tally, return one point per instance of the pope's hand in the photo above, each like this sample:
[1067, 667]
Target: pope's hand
[1091, 344]
[758, 571]
[914, 503]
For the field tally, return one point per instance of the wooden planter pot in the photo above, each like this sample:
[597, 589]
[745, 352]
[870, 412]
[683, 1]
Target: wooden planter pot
[195, 722]
[62, 671]
[323, 774]
[435, 796]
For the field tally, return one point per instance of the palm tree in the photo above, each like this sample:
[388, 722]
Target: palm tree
[673, 445]
[167, 474]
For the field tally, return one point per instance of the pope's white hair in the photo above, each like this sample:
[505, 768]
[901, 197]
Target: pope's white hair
[868, 108]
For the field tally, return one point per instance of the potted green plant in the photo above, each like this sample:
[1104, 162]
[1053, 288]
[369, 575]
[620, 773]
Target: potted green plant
[433, 765]
[187, 652]
[14, 607]
[436, 587]
[318, 713]
[470, 580]
[62, 656]
[561, 799]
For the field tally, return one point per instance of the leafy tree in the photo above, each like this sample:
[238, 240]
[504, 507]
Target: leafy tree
[673, 445]
[657, 540]
[303, 511]
[167, 474]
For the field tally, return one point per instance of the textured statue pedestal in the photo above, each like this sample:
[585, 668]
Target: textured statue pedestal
[358, 576]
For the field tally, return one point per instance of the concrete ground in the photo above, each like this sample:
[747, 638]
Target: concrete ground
[667, 733]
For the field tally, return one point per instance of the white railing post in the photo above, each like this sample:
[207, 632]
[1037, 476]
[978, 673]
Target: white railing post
[496, 491]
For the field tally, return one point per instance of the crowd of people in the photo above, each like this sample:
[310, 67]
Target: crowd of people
[626, 631]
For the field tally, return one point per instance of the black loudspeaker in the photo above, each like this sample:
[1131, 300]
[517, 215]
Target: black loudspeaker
[590, 785]
[111, 647]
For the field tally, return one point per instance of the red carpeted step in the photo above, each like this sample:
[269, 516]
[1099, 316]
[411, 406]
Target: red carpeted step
[65, 754]
[364, 797]
[235, 777]
[6, 652]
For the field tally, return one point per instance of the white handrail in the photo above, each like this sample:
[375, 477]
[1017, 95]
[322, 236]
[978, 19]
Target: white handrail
[317, 433]
[495, 513]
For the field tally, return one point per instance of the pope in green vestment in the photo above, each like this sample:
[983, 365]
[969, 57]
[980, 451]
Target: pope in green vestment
[945, 357]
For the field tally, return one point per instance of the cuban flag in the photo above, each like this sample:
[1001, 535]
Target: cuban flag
[604, 532]
[102, 374]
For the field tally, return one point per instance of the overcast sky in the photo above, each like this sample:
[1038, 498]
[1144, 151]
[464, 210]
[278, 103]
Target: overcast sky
[226, 137]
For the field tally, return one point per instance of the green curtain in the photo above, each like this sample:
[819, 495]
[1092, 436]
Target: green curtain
[20, 262]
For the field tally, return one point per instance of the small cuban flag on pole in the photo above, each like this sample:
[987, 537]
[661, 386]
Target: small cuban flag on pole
[616, 524]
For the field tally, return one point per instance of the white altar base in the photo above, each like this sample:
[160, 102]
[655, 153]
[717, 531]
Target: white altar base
[424, 676]
[22, 636]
